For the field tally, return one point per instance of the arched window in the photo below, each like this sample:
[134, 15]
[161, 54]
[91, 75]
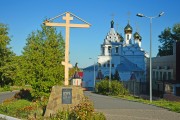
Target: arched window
[109, 49]
[117, 49]
[103, 50]
[127, 37]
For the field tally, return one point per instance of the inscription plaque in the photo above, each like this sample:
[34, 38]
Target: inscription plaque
[66, 96]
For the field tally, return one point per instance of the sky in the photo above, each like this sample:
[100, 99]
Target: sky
[26, 16]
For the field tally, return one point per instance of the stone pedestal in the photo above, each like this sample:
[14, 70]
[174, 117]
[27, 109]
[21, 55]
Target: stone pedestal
[63, 98]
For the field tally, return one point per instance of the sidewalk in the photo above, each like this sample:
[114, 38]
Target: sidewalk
[7, 94]
[8, 117]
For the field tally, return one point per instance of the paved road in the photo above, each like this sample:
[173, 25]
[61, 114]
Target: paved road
[6, 95]
[118, 109]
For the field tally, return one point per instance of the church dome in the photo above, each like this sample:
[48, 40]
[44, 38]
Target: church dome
[128, 29]
[140, 38]
[137, 36]
[120, 37]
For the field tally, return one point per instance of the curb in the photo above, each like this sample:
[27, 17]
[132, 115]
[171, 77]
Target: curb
[8, 117]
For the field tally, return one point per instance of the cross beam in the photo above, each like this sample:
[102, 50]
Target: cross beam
[67, 25]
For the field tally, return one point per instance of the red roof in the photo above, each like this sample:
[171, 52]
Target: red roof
[80, 74]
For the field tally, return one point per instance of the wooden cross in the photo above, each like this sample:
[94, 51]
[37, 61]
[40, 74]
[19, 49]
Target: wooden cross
[117, 25]
[112, 15]
[68, 17]
[137, 27]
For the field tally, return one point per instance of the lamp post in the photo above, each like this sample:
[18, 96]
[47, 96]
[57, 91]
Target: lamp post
[94, 75]
[110, 57]
[110, 65]
[150, 56]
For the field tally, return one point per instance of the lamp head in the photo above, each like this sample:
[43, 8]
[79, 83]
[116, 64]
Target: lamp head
[161, 14]
[140, 15]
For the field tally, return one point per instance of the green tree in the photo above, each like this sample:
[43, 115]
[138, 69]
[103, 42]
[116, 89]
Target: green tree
[116, 76]
[42, 58]
[167, 37]
[73, 70]
[5, 55]
[10, 70]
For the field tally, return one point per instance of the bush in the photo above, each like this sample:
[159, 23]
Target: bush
[116, 88]
[102, 87]
[6, 88]
[82, 111]
[23, 94]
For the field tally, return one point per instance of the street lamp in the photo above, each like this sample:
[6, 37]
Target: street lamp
[94, 74]
[110, 64]
[150, 57]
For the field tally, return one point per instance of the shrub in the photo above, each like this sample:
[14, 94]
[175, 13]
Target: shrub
[6, 88]
[114, 88]
[118, 89]
[24, 94]
[82, 111]
[102, 87]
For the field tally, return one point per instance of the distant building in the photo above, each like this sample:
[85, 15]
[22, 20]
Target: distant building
[166, 73]
[123, 55]
[76, 80]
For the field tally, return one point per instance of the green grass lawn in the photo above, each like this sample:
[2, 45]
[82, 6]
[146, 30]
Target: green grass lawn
[11, 88]
[14, 107]
[170, 105]
[21, 108]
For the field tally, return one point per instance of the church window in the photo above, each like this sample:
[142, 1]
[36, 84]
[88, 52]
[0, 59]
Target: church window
[117, 48]
[164, 76]
[109, 49]
[112, 65]
[157, 75]
[103, 50]
[160, 75]
[104, 65]
[169, 75]
[127, 37]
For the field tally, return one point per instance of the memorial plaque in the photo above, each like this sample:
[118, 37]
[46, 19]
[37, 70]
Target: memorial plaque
[67, 96]
[63, 98]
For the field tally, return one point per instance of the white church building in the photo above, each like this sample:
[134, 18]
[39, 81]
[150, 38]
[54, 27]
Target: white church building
[124, 55]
